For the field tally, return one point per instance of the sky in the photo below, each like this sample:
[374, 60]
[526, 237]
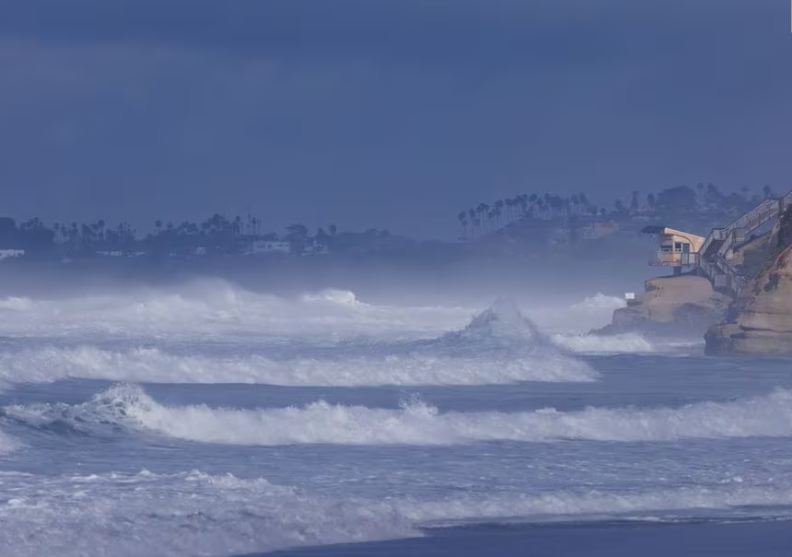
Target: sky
[389, 114]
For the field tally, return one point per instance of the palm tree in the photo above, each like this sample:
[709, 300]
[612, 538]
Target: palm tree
[462, 221]
[482, 209]
[634, 203]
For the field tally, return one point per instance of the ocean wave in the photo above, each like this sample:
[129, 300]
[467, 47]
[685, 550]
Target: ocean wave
[152, 365]
[7, 444]
[216, 308]
[498, 346]
[595, 504]
[415, 423]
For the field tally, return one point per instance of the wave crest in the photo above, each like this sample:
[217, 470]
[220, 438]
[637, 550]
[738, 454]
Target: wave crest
[501, 325]
[416, 423]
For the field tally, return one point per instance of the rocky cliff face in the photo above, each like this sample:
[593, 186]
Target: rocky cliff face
[760, 321]
[680, 307]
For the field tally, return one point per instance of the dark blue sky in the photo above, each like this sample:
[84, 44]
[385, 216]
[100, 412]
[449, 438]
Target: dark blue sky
[380, 113]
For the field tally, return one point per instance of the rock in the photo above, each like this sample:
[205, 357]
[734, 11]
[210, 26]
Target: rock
[762, 318]
[760, 322]
[677, 307]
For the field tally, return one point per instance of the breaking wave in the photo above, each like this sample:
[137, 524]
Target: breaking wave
[216, 308]
[500, 326]
[415, 423]
[498, 346]
[151, 365]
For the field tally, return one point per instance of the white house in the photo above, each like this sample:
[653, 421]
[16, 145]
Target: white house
[5, 253]
[268, 246]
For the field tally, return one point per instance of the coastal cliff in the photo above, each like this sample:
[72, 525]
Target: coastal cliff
[674, 307]
[760, 320]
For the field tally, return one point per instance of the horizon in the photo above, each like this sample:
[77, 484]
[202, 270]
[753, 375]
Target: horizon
[611, 209]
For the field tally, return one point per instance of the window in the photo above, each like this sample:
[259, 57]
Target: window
[678, 247]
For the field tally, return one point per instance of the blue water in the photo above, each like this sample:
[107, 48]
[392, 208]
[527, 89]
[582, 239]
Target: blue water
[218, 422]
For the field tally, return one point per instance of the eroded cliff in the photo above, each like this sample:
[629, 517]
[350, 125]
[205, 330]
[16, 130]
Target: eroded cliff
[760, 321]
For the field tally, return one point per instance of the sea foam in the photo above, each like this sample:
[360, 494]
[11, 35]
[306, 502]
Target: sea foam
[197, 514]
[184, 514]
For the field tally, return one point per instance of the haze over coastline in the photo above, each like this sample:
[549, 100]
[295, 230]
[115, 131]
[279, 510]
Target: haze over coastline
[425, 277]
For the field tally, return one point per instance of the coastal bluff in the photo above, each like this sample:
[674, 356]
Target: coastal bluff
[760, 320]
[672, 307]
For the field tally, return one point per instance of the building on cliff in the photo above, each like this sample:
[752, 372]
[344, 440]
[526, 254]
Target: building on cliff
[713, 257]
[676, 249]
[718, 288]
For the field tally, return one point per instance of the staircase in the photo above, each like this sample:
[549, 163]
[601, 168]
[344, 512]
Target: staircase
[714, 253]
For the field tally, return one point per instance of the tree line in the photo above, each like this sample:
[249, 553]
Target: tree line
[217, 234]
[683, 203]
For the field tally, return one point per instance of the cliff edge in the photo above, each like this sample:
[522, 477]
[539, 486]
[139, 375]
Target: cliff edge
[671, 307]
[760, 320]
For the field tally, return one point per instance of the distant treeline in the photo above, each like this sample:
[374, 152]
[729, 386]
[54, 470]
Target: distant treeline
[228, 236]
[676, 203]
[216, 235]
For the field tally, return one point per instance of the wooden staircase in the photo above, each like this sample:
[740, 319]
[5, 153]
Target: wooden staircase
[714, 253]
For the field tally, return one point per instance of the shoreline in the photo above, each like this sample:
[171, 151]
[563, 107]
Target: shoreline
[614, 539]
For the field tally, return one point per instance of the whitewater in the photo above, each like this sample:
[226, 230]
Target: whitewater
[207, 420]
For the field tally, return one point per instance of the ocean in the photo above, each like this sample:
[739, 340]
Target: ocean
[206, 420]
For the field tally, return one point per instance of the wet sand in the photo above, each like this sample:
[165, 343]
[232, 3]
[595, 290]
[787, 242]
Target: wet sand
[747, 539]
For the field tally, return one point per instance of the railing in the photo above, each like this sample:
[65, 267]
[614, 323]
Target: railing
[786, 201]
[716, 234]
[718, 268]
[753, 219]
[668, 258]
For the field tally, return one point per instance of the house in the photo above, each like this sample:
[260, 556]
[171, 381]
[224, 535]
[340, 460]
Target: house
[268, 246]
[6, 253]
[676, 249]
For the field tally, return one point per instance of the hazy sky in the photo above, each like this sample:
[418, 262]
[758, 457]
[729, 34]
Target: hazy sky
[382, 113]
